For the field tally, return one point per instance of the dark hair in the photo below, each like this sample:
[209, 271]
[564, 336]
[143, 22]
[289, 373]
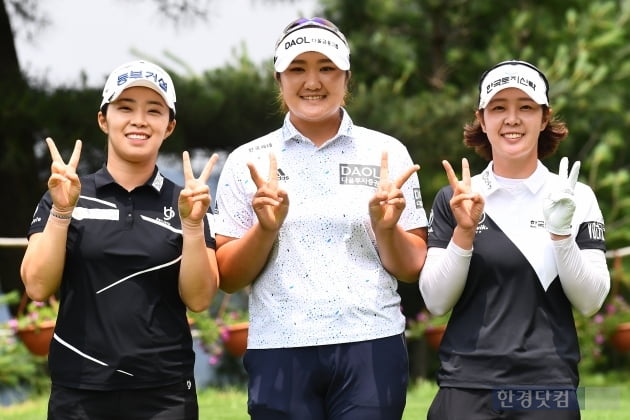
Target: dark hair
[548, 140]
[171, 114]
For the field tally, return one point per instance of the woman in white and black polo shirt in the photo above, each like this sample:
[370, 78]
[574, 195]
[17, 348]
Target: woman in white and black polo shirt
[511, 252]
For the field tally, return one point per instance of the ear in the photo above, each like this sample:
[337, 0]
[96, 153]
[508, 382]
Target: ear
[170, 128]
[278, 78]
[545, 119]
[346, 84]
[482, 123]
[102, 122]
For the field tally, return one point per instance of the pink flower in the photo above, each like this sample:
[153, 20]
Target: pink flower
[224, 333]
[422, 317]
[598, 319]
[13, 324]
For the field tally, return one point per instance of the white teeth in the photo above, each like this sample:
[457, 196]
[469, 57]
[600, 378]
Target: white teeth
[138, 136]
[513, 135]
[313, 98]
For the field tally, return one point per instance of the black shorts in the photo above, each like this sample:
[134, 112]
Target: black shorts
[482, 404]
[365, 380]
[172, 402]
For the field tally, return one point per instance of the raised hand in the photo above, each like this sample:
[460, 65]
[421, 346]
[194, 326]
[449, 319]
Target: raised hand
[388, 202]
[559, 205]
[270, 203]
[63, 183]
[194, 199]
[467, 207]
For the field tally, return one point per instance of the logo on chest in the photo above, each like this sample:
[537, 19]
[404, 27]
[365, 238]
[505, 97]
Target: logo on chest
[351, 174]
[282, 176]
[169, 213]
[481, 224]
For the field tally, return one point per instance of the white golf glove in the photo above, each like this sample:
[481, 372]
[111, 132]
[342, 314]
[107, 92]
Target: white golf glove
[559, 206]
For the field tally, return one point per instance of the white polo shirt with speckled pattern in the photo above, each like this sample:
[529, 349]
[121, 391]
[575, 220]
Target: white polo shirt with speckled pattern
[324, 282]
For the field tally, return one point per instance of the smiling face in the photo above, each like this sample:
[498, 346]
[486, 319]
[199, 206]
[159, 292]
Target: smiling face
[136, 124]
[313, 89]
[513, 122]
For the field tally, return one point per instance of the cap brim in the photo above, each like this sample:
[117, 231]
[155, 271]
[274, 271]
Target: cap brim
[283, 62]
[139, 73]
[513, 75]
[540, 99]
[311, 39]
[139, 83]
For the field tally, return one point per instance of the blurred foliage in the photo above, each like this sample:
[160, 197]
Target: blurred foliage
[213, 330]
[31, 314]
[416, 67]
[415, 70]
[424, 321]
[225, 107]
[18, 366]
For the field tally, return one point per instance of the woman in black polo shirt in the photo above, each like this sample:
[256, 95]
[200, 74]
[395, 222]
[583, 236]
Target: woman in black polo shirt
[127, 251]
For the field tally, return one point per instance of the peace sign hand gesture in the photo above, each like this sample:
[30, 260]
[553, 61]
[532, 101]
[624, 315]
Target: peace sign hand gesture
[388, 202]
[467, 207]
[270, 203]
[63, 183]
[194, 198]
[559, 205]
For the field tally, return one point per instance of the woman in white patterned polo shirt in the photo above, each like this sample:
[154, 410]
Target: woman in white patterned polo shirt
[321, 217]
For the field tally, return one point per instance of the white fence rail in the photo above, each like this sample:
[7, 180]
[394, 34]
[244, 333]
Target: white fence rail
[15, 242]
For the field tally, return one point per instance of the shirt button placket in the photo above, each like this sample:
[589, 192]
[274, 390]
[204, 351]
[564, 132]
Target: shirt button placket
[129, 211]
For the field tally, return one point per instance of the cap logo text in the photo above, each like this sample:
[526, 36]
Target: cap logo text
[521, 80]
[304, 40]
[126, 77]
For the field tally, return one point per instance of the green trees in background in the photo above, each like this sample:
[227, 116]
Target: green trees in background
[416, 65]
[415, 68]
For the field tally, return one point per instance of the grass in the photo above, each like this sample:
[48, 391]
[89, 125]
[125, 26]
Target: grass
[612, 402]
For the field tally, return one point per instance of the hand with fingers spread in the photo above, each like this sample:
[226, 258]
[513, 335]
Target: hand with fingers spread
[466, 205]
[194, 199]
[388, 202]
[64, 184]
[270, 203]
[559, 205]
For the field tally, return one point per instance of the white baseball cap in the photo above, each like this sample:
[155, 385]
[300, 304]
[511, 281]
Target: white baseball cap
[311, 34]
[514, 73]
[139, 73]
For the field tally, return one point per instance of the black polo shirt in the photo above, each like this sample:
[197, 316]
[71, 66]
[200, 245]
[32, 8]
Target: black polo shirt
[122, 323]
